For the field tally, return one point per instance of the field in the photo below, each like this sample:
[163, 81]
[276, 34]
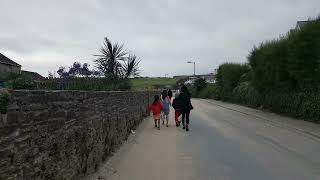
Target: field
[151, 83]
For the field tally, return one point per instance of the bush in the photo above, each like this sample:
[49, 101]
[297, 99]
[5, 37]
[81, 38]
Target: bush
[303, 104]
[303, 55]
[4, 101]
[209, 91]
[200, 84]
[283, 75]
[244, 93]
[122, 85]
[84, 84]
[20, 83]
[228, 77]
[8, 76]
[290, 62]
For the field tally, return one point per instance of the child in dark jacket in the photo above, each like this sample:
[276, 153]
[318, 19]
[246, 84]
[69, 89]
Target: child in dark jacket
[176, 104]
[156, 108]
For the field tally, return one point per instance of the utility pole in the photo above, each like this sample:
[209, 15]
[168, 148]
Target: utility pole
[194, 67]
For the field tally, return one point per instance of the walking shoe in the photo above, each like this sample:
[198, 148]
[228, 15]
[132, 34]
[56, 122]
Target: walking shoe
[155, 126]
[167, 125]
[177, 124]
[183, 127]
[159, 128]
[187, 128]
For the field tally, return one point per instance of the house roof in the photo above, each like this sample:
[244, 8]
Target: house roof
[5, 60]
[33, 75]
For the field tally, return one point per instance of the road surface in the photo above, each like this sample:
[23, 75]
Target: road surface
[224, 142]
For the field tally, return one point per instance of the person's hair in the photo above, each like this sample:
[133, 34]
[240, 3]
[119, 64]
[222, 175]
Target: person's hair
[156, 99]
[164, 94]
[184, 89]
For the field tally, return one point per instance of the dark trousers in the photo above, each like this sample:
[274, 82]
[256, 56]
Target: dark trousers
[185, 115]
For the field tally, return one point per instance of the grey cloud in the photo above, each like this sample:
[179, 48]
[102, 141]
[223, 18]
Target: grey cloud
[165, 34]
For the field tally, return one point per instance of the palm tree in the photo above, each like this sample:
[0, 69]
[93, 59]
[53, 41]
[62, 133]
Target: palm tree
[131, 66]
[111, 58]
[115, 62]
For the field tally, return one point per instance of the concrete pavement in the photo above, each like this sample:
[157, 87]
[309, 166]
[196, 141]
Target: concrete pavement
[225, 141]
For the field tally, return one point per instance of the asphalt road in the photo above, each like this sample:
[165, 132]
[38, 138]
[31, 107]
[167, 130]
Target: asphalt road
[223, 143]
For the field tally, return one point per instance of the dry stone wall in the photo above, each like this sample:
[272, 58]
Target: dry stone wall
[65, 134]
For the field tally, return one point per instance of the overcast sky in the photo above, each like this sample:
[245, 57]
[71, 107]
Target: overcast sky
[42, 35]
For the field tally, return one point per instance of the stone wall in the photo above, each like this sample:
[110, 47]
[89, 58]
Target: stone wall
[65, 134]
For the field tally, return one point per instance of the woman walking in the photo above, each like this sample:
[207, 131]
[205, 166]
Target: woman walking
[186, 106]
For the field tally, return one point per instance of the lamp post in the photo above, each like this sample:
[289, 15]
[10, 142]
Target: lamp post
[194, 66]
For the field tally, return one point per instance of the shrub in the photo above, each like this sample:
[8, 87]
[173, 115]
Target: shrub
[4, 101]
[122, 85]
[290, 62]
[302, 104]
[8, 76]
[20, 83]
[209, 91]
[82, 83]
[228, 77]
[303, 57]
[283, 75]
[244, 93]
[200, 84]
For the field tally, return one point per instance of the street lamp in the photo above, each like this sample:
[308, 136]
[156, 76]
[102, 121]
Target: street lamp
[194, 67]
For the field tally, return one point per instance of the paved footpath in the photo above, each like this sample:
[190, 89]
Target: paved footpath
[225, 142]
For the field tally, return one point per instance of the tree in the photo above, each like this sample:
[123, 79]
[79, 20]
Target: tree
[199, 84]
[84, 71]
[131, 67]
[115, 63]
[77, 70]
[62, 72]
[50, 75]
[228, 77]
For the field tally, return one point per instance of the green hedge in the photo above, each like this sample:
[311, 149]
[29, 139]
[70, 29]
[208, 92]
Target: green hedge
[304, 104]
[228, 77]
[244, 93]
[87, 84]
[291, 62]
[210, 91]
[20, 82]
[283, 75]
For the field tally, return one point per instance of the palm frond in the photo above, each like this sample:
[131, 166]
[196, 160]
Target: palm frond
[131, 67]
[114, 62]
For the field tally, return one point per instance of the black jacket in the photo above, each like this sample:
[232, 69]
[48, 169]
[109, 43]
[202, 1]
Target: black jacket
[176, 103]
[185, 101]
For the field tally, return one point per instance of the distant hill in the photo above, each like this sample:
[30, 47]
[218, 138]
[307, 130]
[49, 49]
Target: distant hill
[153, 83]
